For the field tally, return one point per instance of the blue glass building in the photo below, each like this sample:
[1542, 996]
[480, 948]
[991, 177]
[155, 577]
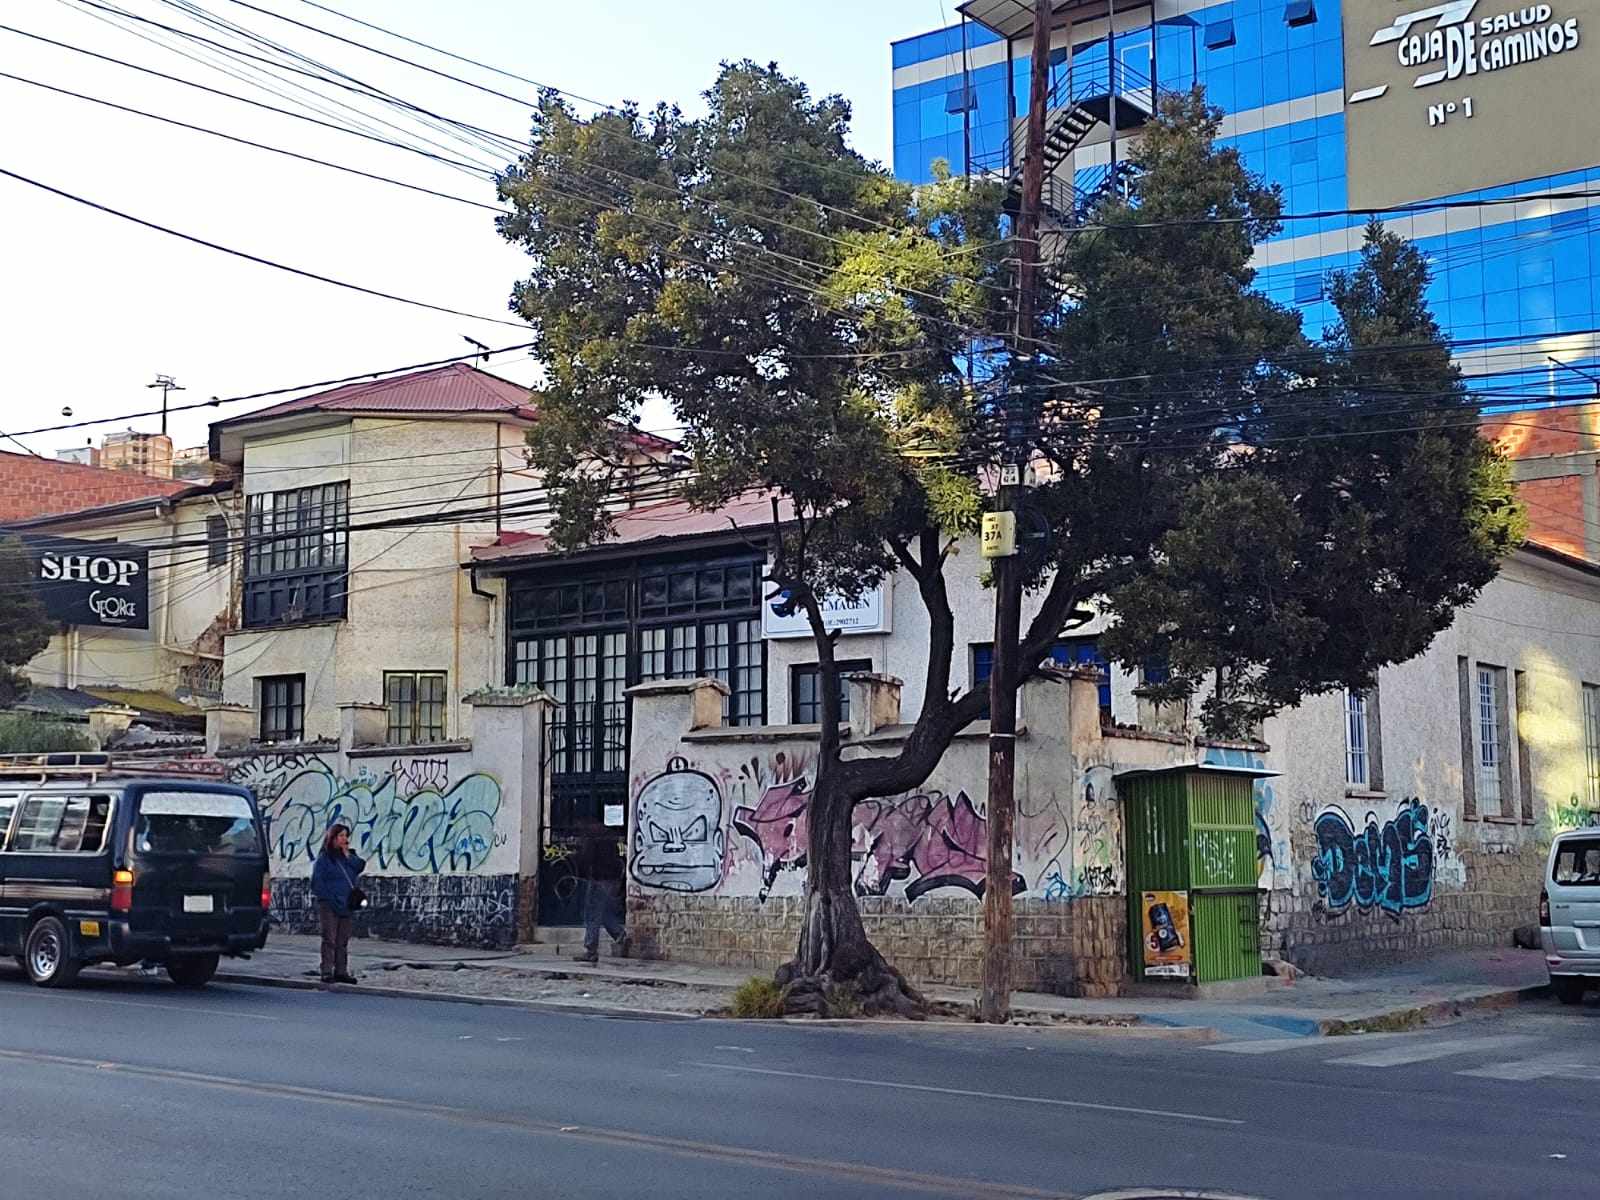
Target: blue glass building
[1515, 284]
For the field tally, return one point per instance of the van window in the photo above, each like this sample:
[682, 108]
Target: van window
[1578, 863]
[62, 824]
[8, 805]
[195, 823]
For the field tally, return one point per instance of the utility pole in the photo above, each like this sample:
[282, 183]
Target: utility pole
[994, 1004]
[168, 385]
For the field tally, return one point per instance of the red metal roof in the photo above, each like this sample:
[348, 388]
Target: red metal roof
[456, 388]
[662, 521]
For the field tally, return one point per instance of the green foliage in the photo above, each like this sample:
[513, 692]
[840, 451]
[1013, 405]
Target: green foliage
[758, 998]
[24, 628]
[24, 733]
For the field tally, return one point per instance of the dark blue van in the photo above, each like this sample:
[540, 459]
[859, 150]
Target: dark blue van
[97, 868]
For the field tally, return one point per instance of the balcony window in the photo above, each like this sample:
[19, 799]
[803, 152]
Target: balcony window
[296, 555]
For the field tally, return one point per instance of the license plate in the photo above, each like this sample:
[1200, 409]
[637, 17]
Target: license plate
[89, 928]
[198, 904]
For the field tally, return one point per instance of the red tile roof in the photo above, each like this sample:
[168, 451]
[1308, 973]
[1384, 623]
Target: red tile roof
[456, 388]
[665, 520]
[39, 487]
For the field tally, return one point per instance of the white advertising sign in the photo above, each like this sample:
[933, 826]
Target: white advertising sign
[868, 614]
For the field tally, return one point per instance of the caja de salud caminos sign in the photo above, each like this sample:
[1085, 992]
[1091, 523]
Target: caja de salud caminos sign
[1463, 94]
[90, 583]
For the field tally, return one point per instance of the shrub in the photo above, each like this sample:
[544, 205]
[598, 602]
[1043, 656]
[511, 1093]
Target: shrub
[758, 997]
[24, 733]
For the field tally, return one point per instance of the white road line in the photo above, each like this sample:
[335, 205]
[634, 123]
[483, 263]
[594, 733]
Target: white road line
[1273, 1045]
[945, 1091]
[1397, 1056]
[55, 996]
[1538, 1067]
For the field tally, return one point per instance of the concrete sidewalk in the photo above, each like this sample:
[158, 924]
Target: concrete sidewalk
[1418, 992]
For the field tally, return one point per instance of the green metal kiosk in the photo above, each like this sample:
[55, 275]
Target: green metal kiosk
[1193, 909]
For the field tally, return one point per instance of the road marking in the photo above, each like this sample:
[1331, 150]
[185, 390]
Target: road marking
[1538, 1067]
[1273, 1045]
[1397, 1056]
[193, 1008]
[948, 1185]
[944, 1091]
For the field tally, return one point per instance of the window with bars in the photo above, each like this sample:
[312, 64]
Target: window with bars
[1591, 741]
[1491, 707]
[805, 690]
[296, 546]
[283, 707]
[587, 677]
[1357, 761]
[416, 703]
[731, 650]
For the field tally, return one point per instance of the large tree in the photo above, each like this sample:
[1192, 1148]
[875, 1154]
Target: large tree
[828, 335]
[24, 627]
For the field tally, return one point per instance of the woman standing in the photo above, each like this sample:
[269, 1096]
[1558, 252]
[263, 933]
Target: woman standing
[333, 882]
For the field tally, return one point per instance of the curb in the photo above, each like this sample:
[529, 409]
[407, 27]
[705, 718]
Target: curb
[388, 993]
[1416, 1016]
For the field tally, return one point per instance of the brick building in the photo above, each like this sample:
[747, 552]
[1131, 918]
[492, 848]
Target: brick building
[35, 487]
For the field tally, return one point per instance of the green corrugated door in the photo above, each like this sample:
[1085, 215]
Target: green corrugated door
[1155, 830]
[1222, 905]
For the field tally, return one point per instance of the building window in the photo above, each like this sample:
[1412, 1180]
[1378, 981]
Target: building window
[416, 702]
[961, 99]
[805, 692]
[295, 555]
[216, 541]
[1491, 717]
[1220, 35]
[1307, 289]
[1299, 12]
[1591, 740]
[1356, 763]
[1068, 652]
[283, 708]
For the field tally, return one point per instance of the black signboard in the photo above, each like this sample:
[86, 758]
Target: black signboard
[106, 584]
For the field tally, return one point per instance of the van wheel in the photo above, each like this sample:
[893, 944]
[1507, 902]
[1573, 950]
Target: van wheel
[47, 954]
[1570, 990]
[192, 970]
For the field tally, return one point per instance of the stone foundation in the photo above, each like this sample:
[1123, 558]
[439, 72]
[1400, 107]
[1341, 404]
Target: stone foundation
[1501, 892]
[446, 910]
[1071, 948]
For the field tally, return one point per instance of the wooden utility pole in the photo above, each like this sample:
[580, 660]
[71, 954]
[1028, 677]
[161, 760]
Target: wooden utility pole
[994, 1005]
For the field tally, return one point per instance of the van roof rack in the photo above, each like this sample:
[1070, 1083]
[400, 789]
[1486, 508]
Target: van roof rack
[58, 763]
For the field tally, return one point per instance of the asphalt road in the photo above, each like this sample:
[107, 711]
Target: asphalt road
[130, 1088]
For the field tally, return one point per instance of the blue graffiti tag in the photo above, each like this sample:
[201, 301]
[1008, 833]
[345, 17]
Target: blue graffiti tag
[1388, 867]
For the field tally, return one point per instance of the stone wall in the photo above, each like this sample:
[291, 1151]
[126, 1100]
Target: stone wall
[1072, 949]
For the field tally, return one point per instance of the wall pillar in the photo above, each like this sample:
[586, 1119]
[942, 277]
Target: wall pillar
[874, 702]
[229, 727]
[509, 732]
[109, 721]
[363, 725]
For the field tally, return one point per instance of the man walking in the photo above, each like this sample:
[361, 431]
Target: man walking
[602, 906]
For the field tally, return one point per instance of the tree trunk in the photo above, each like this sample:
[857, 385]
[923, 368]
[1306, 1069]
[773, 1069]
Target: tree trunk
[836, 969]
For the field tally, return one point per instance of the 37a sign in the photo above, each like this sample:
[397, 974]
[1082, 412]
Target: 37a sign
[106, 584]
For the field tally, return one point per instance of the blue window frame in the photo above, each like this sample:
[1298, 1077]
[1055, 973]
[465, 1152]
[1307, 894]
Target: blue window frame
[1068, 652]
[1220, 34]
[961, 99]
[1299, 12]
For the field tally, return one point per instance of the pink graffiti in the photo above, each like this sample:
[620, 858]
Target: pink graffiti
[931, 839]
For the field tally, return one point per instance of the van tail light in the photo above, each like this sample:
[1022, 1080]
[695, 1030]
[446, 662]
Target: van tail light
[1544, 909]
[122, 891]
[266, 893]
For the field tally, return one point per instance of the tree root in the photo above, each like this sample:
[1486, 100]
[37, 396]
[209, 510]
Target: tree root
[877, 990]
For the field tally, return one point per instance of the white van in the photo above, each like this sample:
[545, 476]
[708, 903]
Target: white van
[1569, 914]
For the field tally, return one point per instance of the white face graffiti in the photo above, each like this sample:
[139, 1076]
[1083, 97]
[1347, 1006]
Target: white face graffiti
[678, 839]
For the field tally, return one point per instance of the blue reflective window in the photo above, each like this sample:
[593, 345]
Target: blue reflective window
[1299, 12]
[961, 99]
[1220, 34]
[1307, 288]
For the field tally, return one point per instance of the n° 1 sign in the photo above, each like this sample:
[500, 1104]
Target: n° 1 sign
[90, 583]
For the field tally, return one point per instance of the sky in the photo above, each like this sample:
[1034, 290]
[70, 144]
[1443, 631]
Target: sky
[92, 307]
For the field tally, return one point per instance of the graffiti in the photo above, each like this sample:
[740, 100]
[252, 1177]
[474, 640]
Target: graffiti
[1441, 829]
[1272, 851]
[1570, 814]
[425, 830]
[678, 839]
[421, 774]
[928, 840]
[558, 852]
[1389, 867]
[266, 774]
